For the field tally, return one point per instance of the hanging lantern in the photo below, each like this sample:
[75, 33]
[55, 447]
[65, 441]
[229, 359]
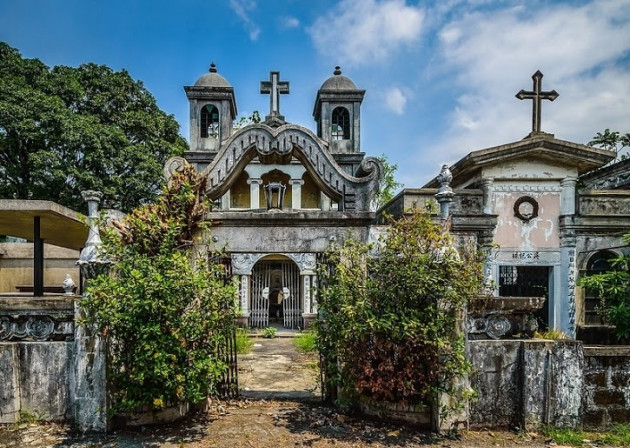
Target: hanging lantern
[274, 193]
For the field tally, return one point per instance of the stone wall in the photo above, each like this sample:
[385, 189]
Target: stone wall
[35, 377]
[526, 383]
[606, 398]
[529, 383]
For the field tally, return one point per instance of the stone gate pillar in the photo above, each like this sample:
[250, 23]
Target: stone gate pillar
[88, 376]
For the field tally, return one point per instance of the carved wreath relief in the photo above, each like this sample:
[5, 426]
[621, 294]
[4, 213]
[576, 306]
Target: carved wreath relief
[526, 208]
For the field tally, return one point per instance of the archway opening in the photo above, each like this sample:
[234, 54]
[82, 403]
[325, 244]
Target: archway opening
[276, 295]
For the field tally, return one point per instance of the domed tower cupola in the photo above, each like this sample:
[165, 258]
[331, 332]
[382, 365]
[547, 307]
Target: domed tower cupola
[212, 111]
[338, 113]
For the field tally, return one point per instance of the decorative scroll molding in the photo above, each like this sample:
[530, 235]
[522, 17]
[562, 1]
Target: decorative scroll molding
[602, 205]
[279, 145]
[467, 204]
[305, 261]
[38, 328]
[242, 264]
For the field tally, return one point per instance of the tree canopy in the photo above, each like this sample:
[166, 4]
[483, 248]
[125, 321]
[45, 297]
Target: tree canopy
[612, 141]
[65, 129]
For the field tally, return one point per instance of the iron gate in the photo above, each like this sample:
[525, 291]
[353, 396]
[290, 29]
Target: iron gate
[276, 292]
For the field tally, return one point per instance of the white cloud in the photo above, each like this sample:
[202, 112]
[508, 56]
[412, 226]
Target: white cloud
[242, 9]
[290, 22]
[395, 100]
[363, 31]
[582, 52]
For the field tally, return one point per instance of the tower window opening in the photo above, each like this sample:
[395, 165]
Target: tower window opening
[209, 121]
[340, 124]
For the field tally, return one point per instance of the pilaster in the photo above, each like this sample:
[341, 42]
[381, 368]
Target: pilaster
[296, 193]
[254, 193]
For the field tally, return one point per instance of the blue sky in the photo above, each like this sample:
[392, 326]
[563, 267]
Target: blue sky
[440, 75]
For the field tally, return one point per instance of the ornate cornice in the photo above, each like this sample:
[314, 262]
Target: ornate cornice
[280, 145]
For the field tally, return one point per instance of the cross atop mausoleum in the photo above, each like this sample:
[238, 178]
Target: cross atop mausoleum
[537, 95]
[274, 87]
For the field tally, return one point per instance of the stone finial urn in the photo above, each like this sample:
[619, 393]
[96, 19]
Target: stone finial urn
[68, 285]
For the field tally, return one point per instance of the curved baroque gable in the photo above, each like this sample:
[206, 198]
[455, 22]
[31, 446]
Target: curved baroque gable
[352, 193]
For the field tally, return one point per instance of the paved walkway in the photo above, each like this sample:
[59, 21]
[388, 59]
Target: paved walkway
[274, 369]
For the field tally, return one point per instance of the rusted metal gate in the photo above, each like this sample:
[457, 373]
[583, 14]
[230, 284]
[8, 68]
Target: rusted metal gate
[270, 280]
[325, 270]
[226, 352]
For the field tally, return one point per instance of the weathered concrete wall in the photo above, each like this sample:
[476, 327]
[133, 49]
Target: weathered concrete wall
[497, 380]
[35, 378]
[16, 265]
[606, 397]
[526, 383]
[9, 379]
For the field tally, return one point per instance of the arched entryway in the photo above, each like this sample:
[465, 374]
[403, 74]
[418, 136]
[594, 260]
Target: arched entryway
[276, 293]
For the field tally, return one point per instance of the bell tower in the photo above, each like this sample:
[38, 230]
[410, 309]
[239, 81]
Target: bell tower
[212, 111]
[337, 113]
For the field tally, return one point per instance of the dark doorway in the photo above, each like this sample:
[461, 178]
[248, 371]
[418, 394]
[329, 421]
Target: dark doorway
[527, 281]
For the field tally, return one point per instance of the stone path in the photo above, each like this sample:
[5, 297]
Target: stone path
[275, 370]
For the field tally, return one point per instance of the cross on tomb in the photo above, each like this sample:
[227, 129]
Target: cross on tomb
[537, 95]
[274, 87]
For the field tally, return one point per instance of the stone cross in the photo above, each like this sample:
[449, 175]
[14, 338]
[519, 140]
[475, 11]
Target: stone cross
[274, 87]
[537, 95]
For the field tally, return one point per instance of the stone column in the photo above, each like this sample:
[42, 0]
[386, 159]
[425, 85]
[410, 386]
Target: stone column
[486, 185]
[225, 201]
[306, 282]
[243, 292]
[567, 206]
[314, 294]
[296, 193]
[254, 193]
[309, 313]
[324, 202]
[88, 380]
[563, 301]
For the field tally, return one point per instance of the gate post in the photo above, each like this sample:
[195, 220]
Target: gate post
[89, 373]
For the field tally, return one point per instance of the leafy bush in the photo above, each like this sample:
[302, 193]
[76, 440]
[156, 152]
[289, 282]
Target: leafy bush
[306, 342]
[244, 343]
[388, 331]
[269, 332]
[613, 289]
[164, 310]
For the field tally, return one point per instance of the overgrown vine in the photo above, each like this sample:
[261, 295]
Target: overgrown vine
[388, 321]
[164, 307]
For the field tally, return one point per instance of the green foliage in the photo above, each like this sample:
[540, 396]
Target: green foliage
[269, 332]
[565, 436]
[388, 331]
[64, 130]
[163, 309]
[306, 342]
[244, 342]
[617, 435]
[612, 141]
[27, 417]
[246, 121]
[550, 334]
[388, 186]
[613, 289]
